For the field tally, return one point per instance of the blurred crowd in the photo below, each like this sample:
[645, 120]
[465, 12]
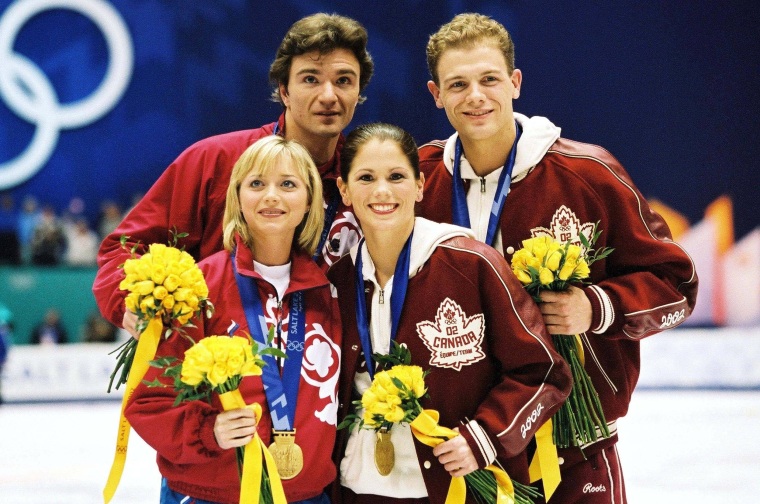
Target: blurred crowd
[36, 234]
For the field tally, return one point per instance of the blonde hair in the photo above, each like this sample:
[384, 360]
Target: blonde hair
[260, 158]
[465, 31]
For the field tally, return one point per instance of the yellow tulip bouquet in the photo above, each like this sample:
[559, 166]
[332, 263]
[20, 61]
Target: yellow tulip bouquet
[217, 365]
[166, 287]
[394, 397]
[546, 264]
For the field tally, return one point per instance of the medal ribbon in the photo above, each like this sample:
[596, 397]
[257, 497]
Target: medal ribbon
[144, 353]
[428, 432]
[400, 284]
[461, 215]
[545, 463]
[330, 212]
[281, 391]
[255, 457]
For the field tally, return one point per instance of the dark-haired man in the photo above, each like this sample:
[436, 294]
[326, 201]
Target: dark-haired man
[319, 72]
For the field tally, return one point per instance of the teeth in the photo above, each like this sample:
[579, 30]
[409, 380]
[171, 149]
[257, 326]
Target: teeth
[383, 208]
[478, 113]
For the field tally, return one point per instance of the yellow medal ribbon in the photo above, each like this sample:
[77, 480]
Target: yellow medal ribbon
[545, 463]
[579, 346]
[255, 451]
[427, 430]
[144, 353]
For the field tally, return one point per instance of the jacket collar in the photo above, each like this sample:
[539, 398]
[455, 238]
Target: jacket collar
[304, 272]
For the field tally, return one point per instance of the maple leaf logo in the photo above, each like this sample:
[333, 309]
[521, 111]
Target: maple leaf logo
[565, 226]
[454, 339]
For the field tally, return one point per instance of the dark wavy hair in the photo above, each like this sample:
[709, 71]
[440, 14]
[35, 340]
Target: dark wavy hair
[324, 33]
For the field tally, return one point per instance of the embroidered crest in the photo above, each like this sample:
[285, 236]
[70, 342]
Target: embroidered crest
[565, 226]
[454, 340]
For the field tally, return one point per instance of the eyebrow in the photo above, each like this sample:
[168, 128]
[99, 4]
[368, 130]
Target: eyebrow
[457, 77]
[315, 71]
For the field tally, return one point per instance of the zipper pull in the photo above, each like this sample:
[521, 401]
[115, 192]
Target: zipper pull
[382, 296]
[482, 184]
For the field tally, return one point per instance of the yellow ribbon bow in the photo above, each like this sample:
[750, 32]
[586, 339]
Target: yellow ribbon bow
[144, 353]
[427, 430]
[255, 451]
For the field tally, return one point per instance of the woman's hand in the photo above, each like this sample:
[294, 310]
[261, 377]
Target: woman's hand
[456, 456]
[129, 323]
[234, 428]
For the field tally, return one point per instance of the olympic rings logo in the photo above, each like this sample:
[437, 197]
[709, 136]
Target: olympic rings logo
[29, 94]
[295, 347]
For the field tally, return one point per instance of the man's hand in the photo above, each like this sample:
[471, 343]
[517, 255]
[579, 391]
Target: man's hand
[456, 456]
[234, 428]
[129, 323]
[567, 312]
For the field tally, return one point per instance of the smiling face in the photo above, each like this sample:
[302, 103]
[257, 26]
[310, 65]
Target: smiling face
[476, 90]
[382, 188]
[321, 95]
[274, 202]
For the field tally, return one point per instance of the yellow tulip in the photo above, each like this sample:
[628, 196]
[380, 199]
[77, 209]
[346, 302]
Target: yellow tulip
[168, 302]
[545, 276]
[250, 368]
[552, 262]
[145, 287]
[171, 282]
[573, 253]
[191, 375]
[131, 303]
[582, 270]
[523, 276]
[182, 293]
[147, 304]
[395, 415]
[159, 274]
[417, 381]
[369, 419]
[566, 271]
[160, 292]
[218, 374]
[369, 399]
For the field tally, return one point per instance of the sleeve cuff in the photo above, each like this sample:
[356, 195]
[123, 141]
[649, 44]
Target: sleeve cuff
[602, 312]
[480, 444]
[206, 433]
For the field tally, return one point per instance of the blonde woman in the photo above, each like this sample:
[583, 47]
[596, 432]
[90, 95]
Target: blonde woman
[264, 278]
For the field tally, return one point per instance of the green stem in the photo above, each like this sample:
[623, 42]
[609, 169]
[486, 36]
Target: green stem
[581, 414]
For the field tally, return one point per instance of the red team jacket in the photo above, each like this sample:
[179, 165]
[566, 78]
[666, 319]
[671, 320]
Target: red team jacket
[494, 365]
[188, 455]
[190, 196]
[648, 284]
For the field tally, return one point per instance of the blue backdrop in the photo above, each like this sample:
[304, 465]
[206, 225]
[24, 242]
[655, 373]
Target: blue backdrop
[669, 88]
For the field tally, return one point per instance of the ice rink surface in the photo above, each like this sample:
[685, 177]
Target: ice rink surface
[676, 447]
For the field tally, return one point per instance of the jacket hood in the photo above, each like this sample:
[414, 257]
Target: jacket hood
[538, 135]
[427, 236]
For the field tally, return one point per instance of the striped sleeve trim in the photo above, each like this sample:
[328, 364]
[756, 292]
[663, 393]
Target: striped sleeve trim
[607, 312]
[487, 449]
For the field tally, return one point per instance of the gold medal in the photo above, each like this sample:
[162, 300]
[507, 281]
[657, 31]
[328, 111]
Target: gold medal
[385, 455]
[287, 455]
